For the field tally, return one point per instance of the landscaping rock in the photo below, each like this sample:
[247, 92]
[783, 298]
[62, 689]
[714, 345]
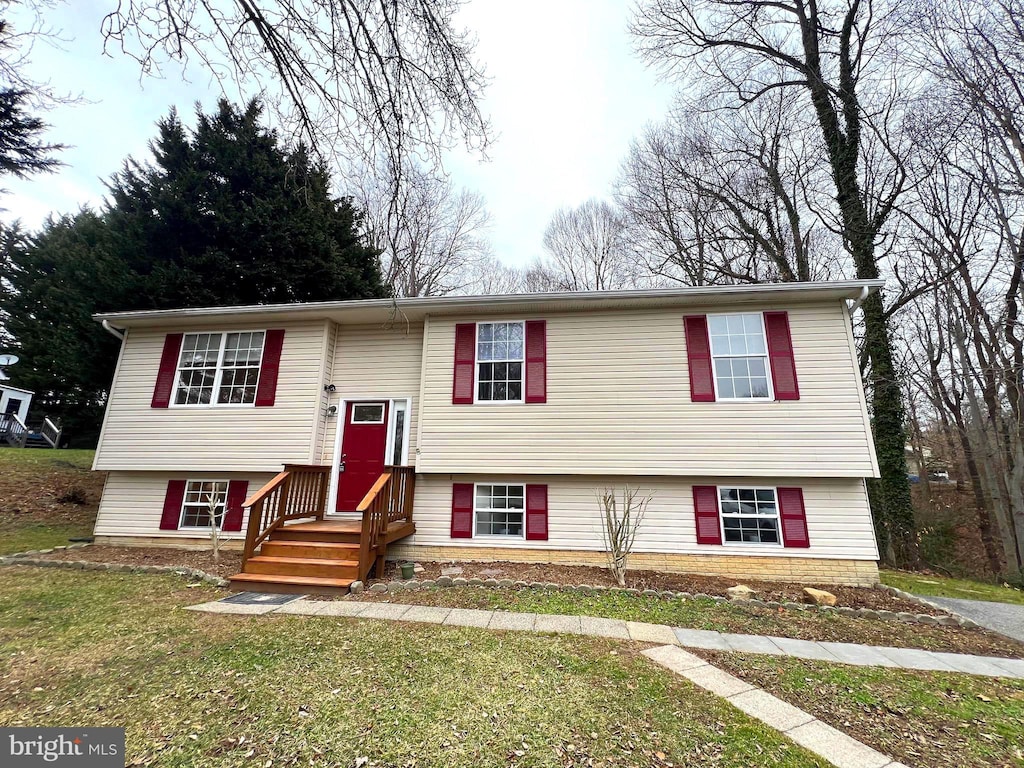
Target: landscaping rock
[505, 583]
[451, 570]
[445, 581]
[417, 568]
[818, 596]
[427, 583]
[740, 592]
[378, 587]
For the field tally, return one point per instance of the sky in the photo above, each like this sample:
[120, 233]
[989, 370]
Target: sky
[567, 95]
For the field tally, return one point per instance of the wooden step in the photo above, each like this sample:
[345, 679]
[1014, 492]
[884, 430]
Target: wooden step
[308, 585]
[313, 550]
[328, 532]
[302, 566]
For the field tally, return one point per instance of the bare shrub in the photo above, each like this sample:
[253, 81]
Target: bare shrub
[620, 523]
[73, 494]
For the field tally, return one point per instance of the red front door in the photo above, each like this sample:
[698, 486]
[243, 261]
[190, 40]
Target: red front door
[362, 451]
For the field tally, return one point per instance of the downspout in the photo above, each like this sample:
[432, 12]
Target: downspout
[119, 335]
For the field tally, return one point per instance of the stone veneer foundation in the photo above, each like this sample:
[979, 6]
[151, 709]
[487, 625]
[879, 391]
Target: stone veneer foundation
[814, 570]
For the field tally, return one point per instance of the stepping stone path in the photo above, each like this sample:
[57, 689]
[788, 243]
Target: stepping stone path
[836, 747]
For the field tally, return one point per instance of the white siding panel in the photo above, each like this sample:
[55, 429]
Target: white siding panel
[243, 439]
[619, 402]
[133, 502]
[371, 361]
[838, 519]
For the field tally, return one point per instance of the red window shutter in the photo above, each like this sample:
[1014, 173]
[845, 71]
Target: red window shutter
[705, 512]
[266, 390]
[793, 517]
[536, 362]
[237, 489]
[462, 510]
[172, 505]
[168, 367]
[537, 513]
[780, 355]
[698, 354]
[465, 363]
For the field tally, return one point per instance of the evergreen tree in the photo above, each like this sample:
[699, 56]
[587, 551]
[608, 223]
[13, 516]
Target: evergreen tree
[223, 215]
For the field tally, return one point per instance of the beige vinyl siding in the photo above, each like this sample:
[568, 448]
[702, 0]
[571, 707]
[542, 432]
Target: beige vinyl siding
[376, 362]
[134, 501]
[241, 438]
[322, 451]
[838, 520]
[618, 401]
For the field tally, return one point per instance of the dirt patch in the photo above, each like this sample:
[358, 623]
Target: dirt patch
[49, 492]
[853, 597]
[230, 562]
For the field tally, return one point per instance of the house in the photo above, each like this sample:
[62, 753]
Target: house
[330, 435]
[14, 405]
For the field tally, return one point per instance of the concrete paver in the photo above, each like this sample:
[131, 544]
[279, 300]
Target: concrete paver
[702, 638]
[674, 658]
[913, 658]
[384, 611]
[651, 633]
[557, 623]
[604, 627]
[339, 608]
[427, 614]
[522, 622]
[860, 655]
[804, 649]
[840, 750]
[716, 680]
[769, 709]
[468, 617]
[302, 607]
[752, 644]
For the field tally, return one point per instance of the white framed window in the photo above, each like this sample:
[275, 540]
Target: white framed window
[499, 510]
[739, 354]
[218, 368]
[195, 509]
[749, 516]
[367, 413]
[499, 362]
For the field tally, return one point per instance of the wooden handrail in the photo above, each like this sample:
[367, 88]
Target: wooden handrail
[296, 492]
[389, 500]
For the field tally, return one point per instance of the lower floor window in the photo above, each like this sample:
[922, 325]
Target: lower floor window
[749, 515]
[499, 510]
[199, 495]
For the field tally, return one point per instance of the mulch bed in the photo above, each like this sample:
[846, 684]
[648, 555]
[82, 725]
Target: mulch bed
[853, 597]
[230, 561]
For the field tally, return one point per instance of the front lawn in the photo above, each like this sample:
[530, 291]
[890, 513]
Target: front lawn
[194, 689]
[940, 586]
[707, 614]
[933, 719]
[46, 497]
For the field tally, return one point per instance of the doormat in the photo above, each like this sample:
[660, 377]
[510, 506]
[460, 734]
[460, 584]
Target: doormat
[259, 598]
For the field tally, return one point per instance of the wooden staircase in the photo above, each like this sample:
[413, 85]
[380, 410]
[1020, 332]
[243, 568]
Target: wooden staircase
[302, 551]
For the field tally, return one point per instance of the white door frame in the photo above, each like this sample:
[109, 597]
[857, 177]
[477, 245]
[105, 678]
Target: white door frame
[339, 436]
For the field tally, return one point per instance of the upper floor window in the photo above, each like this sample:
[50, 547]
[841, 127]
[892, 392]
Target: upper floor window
[199, 496]
[499, 362]
[740, 356]
[221, 368]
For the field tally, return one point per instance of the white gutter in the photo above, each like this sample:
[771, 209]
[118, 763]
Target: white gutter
[119, 335]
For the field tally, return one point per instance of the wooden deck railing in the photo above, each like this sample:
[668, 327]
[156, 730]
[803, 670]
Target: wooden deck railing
[298, 491]
[13, 430]
[388, 501]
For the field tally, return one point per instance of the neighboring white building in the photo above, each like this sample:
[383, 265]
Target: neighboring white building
[15, 401]
[739, 408]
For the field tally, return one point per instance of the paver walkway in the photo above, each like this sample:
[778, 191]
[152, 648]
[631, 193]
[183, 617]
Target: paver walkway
[1004, 618]
[661, 634]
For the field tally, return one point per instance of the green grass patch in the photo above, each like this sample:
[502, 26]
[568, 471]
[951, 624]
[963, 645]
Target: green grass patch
[940, 586]
[24, 538]
[78, 458]
[193, 689]
[930, 719]
[722, 617]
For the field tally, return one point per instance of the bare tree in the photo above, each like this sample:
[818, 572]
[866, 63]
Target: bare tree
[381, 77]
[430, 236]
[722, 196]
[831, 56]
[586, 250]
